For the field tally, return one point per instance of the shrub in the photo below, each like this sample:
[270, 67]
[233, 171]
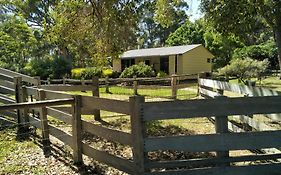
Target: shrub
[86, 73]
[77, 73]
[90, 72]
[107, 72]
[162, 74]
[244, 68]
[139, 70]
[46, 67]
[60, 67]
[260, 52]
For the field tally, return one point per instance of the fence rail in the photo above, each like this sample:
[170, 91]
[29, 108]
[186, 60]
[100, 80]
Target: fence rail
[35, 104]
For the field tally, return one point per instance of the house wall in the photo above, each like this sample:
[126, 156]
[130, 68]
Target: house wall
[172, 62]
[116, 63]
[195, 61]
[180, 65]
[154, 61]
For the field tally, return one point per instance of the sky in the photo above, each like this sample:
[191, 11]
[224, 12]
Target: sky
[194, 11]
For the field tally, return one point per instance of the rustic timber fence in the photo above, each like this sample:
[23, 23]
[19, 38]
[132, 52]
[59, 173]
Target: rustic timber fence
[141, 113]
[174, 82]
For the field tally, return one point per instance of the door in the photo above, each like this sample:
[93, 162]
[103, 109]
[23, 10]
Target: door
[164, 64]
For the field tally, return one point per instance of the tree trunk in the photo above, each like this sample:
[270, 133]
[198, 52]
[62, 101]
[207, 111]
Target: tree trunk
[277, 32]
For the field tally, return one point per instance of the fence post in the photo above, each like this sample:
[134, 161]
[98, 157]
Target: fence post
[174, 86]
[22, 127]
[38, 84]
[221, 125]
[83, 83]
[135, 85]
[44, 124]
[106, 85]
[48, 81]
[77, 129]
[138, 133]
[63, 80]
[96, 93]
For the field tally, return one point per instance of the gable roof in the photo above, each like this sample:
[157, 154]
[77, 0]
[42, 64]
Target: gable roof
[161, 51]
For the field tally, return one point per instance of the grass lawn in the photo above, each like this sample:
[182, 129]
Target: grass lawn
[123, 93]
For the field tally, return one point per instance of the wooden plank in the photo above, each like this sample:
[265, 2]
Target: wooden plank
[241, 89]
[138, 132]
[15, 74]
[211, 107]
[67, 87]
[111, 105]
[96, 93]
[60, 115]
[36, 104]
[108, 134]
[32, 91]
[35, 122]
[270, 169]
[104, 157]
[209, 161]
[56, 95]
[61, 135]
[259, 126]
[6, 100]
[77, 130]
[7, 84]
[6, 90]
[64, 109]
[9, 113]
[6, 77]
[221, 126]
[44, 125]
[216, 142]
[209, 93]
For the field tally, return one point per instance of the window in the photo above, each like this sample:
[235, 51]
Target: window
[213, 60]
[147, 62]
[208, 60]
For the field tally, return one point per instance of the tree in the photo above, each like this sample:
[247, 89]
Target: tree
[158, 19]
[244, 69]
[87, 32]
[241, 16]
[260, 52]
[17, 43]
[200, 32]
[188, 33]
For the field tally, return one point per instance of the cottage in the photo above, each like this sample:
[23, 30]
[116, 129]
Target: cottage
[188, 59]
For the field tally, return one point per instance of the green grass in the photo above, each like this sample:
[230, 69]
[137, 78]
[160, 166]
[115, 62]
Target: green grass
[123, 93]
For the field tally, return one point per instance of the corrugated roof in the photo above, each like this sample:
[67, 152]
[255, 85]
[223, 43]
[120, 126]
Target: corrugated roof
[161, 51]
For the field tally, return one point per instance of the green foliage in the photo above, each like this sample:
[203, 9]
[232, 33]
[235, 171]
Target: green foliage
[60, 67]
[139, 70]
[245, 16]
[16, 43]
[39, 67]
[107, 72]
[244, 68]
[161, 74]
[259, 52]
[86, 73]
[188, 33]
[151, 33]
[48, 67]
[221, 46]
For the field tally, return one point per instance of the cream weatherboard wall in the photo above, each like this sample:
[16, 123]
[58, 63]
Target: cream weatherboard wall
[154, 61]
[116, 65]
[196, 61]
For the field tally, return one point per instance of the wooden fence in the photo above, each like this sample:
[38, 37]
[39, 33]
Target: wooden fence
[174, 82]
[30, 101]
